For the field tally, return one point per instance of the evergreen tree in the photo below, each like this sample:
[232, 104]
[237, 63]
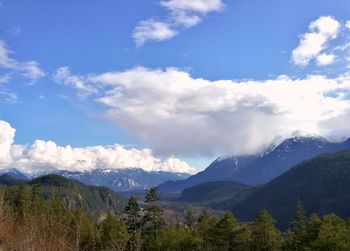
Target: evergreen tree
[333, 235]
[133, 221]
[152, 220]
[21, 202]
[204, 227]
[265, 236]
[312, 230]
[222, 234]
[296, 236]
[242, 239]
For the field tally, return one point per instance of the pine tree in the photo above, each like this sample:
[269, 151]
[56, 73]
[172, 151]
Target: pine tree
[152, 221]
[265, 236]
[222, 234]
[243, 239]
[21, 202]
[333, 234]
[312, 230]
[204, 227]
[153, 214]
[133, 221]
[296, 236]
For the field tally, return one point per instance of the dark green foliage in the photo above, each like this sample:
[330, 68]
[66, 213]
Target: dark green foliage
[152, 220]
[133, 224]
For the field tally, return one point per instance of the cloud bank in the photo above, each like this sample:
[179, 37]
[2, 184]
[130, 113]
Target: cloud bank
[175, 113]
[181, 14]
[44, 156]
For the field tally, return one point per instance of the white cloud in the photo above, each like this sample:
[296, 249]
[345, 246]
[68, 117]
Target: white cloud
[182, 14]
[44, 156]
[316, 40]
[347, 25]
[29, 69]
[8, 97]
[62, 75]
[151, 30]
[175, 113]
[325, 59]
[7, 134]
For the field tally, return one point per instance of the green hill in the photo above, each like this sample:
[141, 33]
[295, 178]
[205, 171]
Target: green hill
[93, 201]
[322, 184]
[212, 193]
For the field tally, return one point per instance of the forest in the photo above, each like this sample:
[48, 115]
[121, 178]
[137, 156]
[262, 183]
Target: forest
[32, 221]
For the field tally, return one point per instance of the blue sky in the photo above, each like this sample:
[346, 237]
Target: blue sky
[234, 40]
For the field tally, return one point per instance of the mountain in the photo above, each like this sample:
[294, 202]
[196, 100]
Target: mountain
[14, 173]
[322, 184]
[212, 193]
[123, 179]
[9, 181]
[259, 169]
[94, 201]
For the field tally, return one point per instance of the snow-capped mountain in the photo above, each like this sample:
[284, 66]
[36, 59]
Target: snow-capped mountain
[123, 179]
[259, 169]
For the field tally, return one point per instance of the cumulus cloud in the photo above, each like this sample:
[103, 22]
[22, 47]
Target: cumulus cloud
[181, 14]
[43, 156]
[28, 69]
[313, 43]
[175, 113]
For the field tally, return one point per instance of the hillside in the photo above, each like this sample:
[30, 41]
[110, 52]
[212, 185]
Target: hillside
[322, 184]
[94, 201]
[212, 192]
[259, 169]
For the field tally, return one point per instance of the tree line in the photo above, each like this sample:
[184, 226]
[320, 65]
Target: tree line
[32, 221]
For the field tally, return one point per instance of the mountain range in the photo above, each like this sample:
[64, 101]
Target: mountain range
[262, 168]
[119, 180]
[322, 184]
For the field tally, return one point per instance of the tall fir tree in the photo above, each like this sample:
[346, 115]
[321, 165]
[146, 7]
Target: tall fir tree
[133, 223]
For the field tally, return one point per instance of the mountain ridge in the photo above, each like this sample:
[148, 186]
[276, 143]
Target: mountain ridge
[261, 168]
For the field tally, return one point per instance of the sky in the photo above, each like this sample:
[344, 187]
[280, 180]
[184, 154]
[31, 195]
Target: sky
[167, 84]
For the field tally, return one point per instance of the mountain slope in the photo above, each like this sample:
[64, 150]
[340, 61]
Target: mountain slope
[259, 169]
[212, 192]
[123, 179]
[322, 184]
[94, 201]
